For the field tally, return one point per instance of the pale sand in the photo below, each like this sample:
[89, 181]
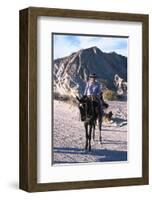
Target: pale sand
[69, 136]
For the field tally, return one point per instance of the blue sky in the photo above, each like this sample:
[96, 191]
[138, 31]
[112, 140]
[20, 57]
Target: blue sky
[64, 45]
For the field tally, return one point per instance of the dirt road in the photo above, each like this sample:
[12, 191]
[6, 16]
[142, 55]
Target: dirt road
[69, 136]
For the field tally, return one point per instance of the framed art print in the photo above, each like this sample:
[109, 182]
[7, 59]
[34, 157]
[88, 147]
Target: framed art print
[83, 99]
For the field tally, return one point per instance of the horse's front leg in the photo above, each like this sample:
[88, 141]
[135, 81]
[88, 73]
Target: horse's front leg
[86, 131]
[100, 125]
[94, 127]
[90, 131]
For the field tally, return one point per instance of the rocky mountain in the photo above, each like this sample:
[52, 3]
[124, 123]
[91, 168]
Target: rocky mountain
[71, 72]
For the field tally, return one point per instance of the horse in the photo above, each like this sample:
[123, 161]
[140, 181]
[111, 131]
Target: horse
[90, 112]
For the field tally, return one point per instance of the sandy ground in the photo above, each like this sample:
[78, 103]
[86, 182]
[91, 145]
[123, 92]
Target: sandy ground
[69, 136]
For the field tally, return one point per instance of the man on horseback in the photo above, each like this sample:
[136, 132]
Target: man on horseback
[92, 86]
[93, 91]
[91, 107]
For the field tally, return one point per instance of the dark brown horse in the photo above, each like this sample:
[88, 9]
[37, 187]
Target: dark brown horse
[90, 111]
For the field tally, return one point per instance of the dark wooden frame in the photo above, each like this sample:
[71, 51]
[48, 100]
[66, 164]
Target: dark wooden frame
[28, 98]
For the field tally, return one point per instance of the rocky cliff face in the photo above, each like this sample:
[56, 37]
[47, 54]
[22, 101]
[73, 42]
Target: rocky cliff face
[71, 72]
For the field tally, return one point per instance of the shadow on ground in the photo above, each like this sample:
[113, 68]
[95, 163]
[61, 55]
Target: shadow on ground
[103, 155]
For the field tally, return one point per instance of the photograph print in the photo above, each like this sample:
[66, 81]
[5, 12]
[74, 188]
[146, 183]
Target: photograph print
[89, 99]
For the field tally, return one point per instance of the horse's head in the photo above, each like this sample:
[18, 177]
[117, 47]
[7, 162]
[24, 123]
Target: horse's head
[88, 107]
[82, 105]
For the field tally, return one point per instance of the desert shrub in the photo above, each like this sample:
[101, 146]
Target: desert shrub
[109, 95]
[65, 98]
[58, 96]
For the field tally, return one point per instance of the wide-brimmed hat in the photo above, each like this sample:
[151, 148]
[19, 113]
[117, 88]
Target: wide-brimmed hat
[92, 76]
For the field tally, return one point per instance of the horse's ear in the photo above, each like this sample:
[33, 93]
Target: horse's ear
[106, 105]
[77, 98]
